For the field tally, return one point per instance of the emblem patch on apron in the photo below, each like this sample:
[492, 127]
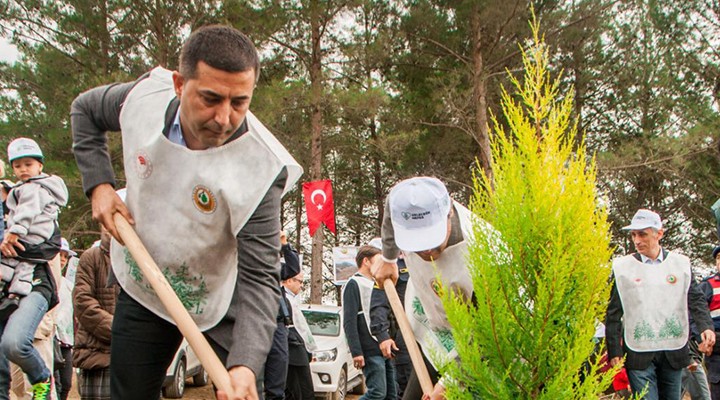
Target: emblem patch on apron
[204, 199]
[143, 165]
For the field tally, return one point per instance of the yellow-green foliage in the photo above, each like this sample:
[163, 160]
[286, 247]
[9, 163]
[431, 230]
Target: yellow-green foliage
[539, 297]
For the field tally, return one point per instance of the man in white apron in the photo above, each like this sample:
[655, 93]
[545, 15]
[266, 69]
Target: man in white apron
[433, 232]
[377, 368]
[204, 183]
[647, 317]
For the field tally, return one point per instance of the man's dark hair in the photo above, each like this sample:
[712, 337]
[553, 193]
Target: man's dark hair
[365, 252]
[221, 47]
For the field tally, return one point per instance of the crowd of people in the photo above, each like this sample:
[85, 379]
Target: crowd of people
[205, 180]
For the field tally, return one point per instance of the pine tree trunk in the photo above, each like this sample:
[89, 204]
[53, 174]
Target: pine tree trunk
[480, 95]
[316, 280]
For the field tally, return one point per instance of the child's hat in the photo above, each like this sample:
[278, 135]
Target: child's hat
[24, 147]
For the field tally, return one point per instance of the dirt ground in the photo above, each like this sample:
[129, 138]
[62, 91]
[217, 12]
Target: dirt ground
[191, 393]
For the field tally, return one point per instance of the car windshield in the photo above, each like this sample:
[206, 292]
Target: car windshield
[323, 323]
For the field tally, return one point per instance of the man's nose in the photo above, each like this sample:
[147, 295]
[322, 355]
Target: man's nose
[222, 114]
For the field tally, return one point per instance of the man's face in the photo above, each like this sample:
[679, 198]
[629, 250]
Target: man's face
[647, 241]
[295, 283]
[213, 104]
[717, 262]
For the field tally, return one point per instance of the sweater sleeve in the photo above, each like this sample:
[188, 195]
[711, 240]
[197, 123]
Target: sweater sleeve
[92, 115]
[351, 307]
[390, 250]
[258, 244]
[379, 315]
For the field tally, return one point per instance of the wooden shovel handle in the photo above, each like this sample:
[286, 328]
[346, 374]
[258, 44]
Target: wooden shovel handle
[209, 360]
[415, 354]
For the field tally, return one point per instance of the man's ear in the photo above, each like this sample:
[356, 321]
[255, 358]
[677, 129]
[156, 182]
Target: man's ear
[178, 82]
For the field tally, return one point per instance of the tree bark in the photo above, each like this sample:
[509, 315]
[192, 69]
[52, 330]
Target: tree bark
[316, 267]
[480, 95]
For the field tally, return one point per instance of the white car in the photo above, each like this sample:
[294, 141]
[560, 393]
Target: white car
[185, 365]
[332, 366]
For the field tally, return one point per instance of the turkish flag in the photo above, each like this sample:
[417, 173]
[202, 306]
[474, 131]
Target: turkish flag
[319, 205]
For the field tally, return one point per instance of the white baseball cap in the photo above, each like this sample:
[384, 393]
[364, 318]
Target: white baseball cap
[644, 219]
[65, 246]
[419, 209]
[376, 243]
[24, 147]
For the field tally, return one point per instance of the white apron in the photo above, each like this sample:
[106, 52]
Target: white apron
[190, 205]
[300, 323]
[365, 287]
[424, 307]
[654, 300]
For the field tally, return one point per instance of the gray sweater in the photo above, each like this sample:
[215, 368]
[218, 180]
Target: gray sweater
[34, 207]
[246, 330]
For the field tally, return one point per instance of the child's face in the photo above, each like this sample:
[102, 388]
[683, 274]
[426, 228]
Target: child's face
[26, 168]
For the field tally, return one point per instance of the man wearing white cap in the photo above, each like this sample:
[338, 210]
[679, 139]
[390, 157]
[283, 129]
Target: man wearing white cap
[432, 231]
[647, 317]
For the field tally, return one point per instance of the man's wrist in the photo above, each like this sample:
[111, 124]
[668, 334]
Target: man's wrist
[387, 260]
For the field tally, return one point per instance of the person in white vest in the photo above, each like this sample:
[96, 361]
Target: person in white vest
[204, 185]
[301, 342]
[647, 318]
[433, 232]
[379, 371]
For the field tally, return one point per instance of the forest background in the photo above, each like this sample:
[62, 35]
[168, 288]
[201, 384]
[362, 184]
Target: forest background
[366, 93]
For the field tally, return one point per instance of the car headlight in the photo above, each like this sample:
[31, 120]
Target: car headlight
[325, 355]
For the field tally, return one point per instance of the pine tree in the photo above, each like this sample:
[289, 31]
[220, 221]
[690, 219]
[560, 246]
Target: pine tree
[540, 293]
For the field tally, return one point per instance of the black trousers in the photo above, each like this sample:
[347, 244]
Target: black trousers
[63, 375]
[142, 348]
[299, 383]
[413, 391]
[276, 364]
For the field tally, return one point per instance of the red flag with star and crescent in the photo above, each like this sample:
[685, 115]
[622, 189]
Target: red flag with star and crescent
[319, 205]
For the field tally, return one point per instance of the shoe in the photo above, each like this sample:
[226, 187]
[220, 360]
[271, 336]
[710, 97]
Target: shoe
[41, 390]
[8, 306]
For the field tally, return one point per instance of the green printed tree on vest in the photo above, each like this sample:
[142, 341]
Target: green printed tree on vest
[191, 290]
[541, 277]
[671, 329]
[643, 330]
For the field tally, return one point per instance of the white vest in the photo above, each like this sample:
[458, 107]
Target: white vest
[365, 287]
[190, 205]
[299, 322]
[654, 300]
[423, 305]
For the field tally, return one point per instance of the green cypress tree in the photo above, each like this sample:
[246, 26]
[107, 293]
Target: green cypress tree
[540, 293]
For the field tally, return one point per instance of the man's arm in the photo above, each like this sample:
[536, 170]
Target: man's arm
[700, 313]
[386, 267]
[351, 307]
[379, 315]
[613, 324]
[257, 294]
[92, 115]
[292, 261]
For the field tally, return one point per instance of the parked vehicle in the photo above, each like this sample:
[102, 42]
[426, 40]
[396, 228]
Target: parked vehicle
[184, 366]
[332, 366]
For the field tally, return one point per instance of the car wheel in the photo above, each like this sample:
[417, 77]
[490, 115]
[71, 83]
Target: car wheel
[177, 388]
[342, 386]
[201, 378]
